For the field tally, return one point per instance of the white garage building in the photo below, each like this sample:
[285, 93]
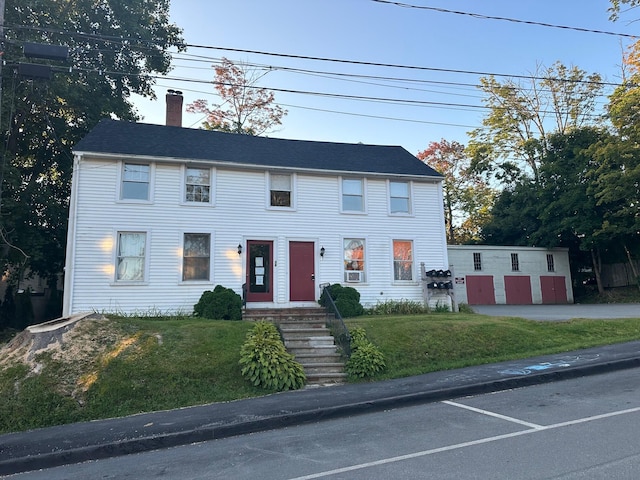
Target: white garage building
[488, 275]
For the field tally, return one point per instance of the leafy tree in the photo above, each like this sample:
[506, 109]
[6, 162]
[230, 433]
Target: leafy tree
[616, 5]
[245, 107]
[522, 114]
[514, 217]
[467, 198]
[561, 209]
[617, 179]
[114, 48]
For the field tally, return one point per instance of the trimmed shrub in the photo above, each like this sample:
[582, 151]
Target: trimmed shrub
[366, 359]
[347, 300]
[220, 304]
[266, 363]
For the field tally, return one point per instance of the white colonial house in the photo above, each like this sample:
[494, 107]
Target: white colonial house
[159, 214]
[487, 275]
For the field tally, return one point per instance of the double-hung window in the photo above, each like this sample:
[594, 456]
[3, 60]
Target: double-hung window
[196, 257]
[403, 260]
[136, 179]
[352, 195]
[280, 190]
[354, 259]
[399, 198]
[131, 256]
[198, 185]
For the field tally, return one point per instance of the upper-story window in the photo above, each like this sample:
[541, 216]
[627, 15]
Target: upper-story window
[136, 179]
[280, 190]
[515, 262]
[477, 261]
[399, 198]
[198, 185]
[131, 256]
[550, 263]
[402, 260]
[352, 195]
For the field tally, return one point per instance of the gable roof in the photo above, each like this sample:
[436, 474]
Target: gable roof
[113, 137]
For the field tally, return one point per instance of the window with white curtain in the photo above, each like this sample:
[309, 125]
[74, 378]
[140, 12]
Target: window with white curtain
[130, 262]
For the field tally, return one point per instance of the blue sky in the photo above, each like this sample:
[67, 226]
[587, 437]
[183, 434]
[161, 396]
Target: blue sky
[375, 32]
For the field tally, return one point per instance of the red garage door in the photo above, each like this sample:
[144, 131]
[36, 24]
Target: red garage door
[554, 289]
[518, 290]
[480, 290]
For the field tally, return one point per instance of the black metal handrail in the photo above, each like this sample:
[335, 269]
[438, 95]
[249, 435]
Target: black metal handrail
[336, 324]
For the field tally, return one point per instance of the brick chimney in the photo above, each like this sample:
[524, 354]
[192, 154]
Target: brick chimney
[174, 108]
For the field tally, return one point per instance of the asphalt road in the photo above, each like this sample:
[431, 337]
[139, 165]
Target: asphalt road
[561, 312]
[585, 428]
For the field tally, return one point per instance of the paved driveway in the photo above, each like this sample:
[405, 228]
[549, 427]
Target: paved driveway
[562, 312]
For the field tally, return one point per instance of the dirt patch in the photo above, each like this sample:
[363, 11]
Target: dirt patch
[74, 350]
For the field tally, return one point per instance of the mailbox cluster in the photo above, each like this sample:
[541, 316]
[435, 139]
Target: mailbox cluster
[439, 285]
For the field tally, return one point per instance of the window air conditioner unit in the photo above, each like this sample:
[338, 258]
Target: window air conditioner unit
[354, 276]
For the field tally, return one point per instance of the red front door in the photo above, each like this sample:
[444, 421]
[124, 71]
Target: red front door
[302, 281]
[259, 271]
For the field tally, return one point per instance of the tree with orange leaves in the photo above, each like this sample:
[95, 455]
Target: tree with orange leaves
[245, 107]
[467, 198]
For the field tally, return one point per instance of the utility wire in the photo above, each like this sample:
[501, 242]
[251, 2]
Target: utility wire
[128, 42]
[513, 20]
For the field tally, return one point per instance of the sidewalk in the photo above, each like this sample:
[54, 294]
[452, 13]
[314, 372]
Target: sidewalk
[49, 447]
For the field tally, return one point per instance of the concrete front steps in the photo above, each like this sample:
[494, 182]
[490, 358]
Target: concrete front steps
[306, 337]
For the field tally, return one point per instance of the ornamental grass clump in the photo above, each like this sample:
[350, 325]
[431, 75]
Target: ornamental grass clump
[366, 359]
[266, 363]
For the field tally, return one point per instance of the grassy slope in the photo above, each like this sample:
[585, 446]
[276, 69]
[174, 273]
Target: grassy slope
[146, 365]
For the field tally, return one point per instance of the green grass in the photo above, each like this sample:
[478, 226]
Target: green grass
[418, 344]
[149, 365]
[142, 365]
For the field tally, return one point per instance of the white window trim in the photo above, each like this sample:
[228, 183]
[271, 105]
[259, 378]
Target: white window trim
[365, 259]
[294, 189]
[114, 262]
[181, 257]
[212, 188]
[364, 197]
[410, 192]
[414, 275]
[120, 179]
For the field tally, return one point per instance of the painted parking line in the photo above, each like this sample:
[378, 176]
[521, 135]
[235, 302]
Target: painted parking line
[424, 453]
[495, 415]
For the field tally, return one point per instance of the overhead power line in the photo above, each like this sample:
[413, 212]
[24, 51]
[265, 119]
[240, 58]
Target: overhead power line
[123, 41]
[390, 65]
[506, 19]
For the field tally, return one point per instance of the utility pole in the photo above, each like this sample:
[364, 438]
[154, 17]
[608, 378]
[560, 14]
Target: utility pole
[2, 131]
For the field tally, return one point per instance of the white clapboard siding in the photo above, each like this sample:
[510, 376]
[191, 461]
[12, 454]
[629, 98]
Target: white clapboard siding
[496, 263]
[239, 213]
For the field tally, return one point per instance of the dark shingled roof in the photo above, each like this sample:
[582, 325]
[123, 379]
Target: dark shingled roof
[128, 138]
